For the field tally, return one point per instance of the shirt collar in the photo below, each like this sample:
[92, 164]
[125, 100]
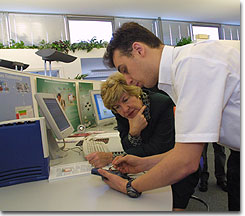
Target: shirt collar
[165, 65]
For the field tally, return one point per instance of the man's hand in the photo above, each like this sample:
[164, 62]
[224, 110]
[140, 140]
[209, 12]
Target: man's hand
[138, 123]
[114, 181]
[129, 164]
[99, 159]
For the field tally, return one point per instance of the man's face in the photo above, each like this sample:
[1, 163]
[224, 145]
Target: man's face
[133, 69]
[131, 81]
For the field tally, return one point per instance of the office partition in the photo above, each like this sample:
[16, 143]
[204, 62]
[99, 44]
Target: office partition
[65, 91]
[15, 95]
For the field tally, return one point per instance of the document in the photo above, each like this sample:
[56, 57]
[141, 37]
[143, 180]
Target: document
[69, 170]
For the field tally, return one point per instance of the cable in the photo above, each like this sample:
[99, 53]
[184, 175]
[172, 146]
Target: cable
[63, 147]
[200, 200]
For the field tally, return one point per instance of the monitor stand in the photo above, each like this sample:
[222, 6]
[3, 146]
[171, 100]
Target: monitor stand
[55, 152]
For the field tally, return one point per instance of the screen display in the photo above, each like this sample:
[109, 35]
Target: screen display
[103, 112]
[56, 113]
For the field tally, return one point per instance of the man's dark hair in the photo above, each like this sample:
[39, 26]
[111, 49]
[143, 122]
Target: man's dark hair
[123, 39]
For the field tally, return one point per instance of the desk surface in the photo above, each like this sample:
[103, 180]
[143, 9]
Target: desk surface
[79, 193]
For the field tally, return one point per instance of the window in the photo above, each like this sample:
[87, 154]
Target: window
[85, 30]
[3, 29]
[33, 28]
[174, 31]
[230, 32]
[150, 24]
[211, 31]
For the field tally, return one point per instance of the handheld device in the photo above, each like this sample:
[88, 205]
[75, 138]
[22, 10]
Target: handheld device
[94, 171]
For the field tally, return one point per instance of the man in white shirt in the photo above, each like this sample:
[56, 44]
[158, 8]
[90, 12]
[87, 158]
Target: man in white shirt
[203, 80]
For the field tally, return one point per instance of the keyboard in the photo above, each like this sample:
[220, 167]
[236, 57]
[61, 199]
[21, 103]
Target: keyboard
[91, 145]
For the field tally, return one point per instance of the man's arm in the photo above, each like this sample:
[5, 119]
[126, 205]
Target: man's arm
[176, 164]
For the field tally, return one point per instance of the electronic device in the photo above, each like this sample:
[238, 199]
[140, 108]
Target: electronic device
[94, 171]
[58, 125]
[24, 155]
[114, 141]
[91, 145]
[103, 116]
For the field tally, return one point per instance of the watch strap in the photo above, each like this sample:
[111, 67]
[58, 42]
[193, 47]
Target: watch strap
[131, 192]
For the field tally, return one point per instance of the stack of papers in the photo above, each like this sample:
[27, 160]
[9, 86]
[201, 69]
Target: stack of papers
[69, 170]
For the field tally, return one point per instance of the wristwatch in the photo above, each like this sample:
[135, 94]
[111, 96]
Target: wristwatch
[131, 192]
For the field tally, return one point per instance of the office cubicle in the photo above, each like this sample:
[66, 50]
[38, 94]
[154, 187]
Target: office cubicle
[15, 95]
[17, 91]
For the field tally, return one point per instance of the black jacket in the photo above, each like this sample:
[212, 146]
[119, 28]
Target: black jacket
[159, 135]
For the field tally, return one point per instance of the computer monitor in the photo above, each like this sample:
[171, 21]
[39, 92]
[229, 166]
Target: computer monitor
[58, 125]
[103, 116]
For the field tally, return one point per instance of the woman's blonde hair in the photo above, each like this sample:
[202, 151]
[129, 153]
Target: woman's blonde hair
[113, 88]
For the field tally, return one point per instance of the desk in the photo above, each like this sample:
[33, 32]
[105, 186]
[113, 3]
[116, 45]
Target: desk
[79, 193]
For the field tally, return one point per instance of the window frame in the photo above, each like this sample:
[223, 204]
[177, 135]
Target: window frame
[206, 25]
[174, 23]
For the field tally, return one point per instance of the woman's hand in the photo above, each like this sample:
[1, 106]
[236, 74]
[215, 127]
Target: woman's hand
[138, 123]
[99, 159]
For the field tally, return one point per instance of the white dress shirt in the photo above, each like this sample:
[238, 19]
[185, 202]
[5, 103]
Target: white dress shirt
[203, 80]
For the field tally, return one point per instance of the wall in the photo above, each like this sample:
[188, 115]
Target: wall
[67, 70]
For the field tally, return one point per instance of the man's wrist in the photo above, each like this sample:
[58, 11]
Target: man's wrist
[131, 191]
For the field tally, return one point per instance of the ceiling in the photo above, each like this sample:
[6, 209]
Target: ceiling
[211, 11]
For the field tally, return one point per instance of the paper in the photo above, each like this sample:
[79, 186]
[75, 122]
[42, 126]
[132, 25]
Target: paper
[69, 170]
[24, 112]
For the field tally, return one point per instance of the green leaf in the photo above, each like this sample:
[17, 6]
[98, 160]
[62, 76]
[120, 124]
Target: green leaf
[62, 46]
[80, 76]
[183, 41]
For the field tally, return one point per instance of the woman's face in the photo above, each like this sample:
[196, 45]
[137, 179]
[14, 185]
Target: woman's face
[128, 106]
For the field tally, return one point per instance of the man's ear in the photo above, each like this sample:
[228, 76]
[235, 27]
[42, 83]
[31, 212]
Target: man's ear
[138, 48]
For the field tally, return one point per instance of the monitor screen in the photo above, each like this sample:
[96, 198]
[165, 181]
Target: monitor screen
[54, 115]
[102, 114]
